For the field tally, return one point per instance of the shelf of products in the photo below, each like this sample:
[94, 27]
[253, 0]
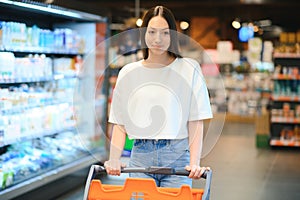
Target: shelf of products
[285, 105]
[243, 84]
[47, 88]
[246, 93]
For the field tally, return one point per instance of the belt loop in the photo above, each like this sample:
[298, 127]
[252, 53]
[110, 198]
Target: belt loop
[141, 140]
[169, 142]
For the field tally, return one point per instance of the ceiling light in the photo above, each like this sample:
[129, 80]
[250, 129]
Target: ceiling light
[139, 22]
[236, 23]
[49, 1]
[53, 10]
[184, 25]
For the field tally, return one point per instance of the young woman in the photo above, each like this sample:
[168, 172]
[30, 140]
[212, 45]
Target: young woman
[160, 102]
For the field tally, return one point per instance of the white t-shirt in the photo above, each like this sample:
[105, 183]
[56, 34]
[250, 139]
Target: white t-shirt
[157, 103]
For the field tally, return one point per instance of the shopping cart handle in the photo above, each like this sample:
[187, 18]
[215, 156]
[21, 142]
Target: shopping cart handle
[98, 169]
[151, 170]
[161, 170]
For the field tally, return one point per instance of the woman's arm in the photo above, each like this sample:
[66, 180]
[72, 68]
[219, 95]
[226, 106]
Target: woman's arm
[113, 165]
[195, 129]
[195, 141]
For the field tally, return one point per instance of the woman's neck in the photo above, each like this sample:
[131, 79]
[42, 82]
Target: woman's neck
[157, 61]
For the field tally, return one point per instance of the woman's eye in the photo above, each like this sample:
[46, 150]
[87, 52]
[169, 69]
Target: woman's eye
[151, 32]
[166, 32]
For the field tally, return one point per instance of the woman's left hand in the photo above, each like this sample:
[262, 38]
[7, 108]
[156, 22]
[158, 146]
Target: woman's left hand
[196, 171]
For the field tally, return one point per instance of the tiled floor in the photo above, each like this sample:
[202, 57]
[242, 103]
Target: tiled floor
[240, 170]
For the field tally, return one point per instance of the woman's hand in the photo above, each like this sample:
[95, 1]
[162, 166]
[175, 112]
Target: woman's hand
[196, 171]
[113, 167]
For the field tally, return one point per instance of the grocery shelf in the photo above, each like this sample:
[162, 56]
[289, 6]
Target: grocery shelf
[288, 120]
[287, 143]
[286, 55]
[18, 109]
[34, 135]
[284, 119]
[59, 172]
[230, 117]
[27, 80]
[286, 98]
[286, 77]
[240, 118]
[35, 80]
[40, 50]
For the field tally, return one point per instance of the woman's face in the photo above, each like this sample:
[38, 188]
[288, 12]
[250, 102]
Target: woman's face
[157, 35]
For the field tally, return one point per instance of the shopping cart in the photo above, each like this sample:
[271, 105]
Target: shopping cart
[143, 188]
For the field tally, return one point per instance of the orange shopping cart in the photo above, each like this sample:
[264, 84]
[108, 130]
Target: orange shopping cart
[143, 188]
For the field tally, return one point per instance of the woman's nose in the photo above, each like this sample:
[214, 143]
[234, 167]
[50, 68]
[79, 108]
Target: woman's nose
[157, 37]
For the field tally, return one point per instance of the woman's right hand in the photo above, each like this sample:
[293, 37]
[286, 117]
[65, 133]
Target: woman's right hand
[113, 167]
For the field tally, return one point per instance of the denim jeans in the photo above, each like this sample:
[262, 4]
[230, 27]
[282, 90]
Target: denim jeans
[161, 153]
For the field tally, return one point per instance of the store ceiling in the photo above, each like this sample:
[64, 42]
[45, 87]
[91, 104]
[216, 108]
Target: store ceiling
[282, 13]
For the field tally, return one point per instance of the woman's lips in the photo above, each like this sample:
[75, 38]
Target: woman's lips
[157, 47]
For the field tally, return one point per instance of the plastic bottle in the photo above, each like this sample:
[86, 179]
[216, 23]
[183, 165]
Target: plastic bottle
[58, 39]
[4, 33]
[22, 34]
[35, 36]
[29, 68]
[7, 34]
[1, 133]
[41, 43]
[1, 34]
[48, 39]
[48, 72]
[7, 66]
[68, 39]
[29, 39]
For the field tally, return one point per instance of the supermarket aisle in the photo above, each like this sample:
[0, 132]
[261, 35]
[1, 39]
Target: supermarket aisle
[241, 171]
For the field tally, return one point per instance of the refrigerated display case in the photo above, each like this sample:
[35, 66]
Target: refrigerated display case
[48, 78]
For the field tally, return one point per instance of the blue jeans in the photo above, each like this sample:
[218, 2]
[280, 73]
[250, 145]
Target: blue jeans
[161, 153]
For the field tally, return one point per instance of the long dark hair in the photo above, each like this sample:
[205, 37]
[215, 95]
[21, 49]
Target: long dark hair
[164, 12]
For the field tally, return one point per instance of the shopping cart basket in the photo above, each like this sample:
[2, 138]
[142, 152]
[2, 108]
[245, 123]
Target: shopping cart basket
[143, 188]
